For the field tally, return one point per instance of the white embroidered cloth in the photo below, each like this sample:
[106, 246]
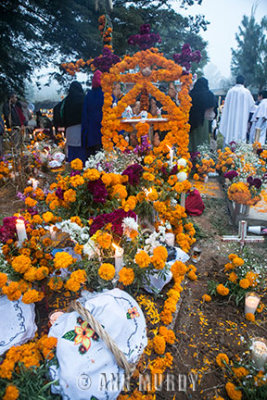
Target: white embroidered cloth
[16, 322]
[87, 369]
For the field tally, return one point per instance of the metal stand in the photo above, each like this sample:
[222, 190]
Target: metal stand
[242, 237]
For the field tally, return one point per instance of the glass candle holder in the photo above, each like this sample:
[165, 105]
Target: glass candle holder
[251, 302]
[259, 352]
[196, 255]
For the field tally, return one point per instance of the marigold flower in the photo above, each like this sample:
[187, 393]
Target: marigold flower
[232, 391]
[11, 393]
[142, 259]
[233, 277]
[238, 262]
[178, 268]
[21, 263]
[250, 317]
[70, 196]
[32, 296]
[55, 283]
[148, 176]
[192, 276]
[126, 276]
[159, 257]
[106, 271]
[92, 174]
[206, 298]
[77, 220]
[168, 334]
[29, 202]
[63, 260]
[240, 372]
[222, 290]
[159, 344]
[260, 308]
[3, 279]
[244, 283]
[222, 359]
[48, 217]
[76, 164]
[103, 239]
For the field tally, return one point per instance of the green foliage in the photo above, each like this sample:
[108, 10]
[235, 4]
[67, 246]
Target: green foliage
[250, 56]
[33, 383]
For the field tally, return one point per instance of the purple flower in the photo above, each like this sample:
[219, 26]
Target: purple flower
[74, 173]
[230, 175]
[115, 218]
[21, 196]
[174, 170]
[186, 57]
[145, 39]
[98, 190]
[8, 229]
[250, 180]
[60, 193]
[106, 60]
[259, 151]
[133, 172]
[257, 183]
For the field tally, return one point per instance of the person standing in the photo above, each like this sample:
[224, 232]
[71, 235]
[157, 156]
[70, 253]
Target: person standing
[259, 120]
[71, 117]
[237, 107]
[92, 117]
[14, 119]
[202, 111]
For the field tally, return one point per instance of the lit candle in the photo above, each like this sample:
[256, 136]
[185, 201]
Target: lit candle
[34, 183]
[251, 302]
[21, 231]
[196, 256]
[118, 258]
[259, 352]
[171, 155]
[169, 239]
[53, 316]
[53, 232]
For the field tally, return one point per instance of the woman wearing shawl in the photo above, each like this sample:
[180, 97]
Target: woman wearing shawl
[202, 111]
[71, 115]
[92, 117]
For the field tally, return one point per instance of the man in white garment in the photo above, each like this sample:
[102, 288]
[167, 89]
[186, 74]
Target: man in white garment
[235, 115]
[259, 121]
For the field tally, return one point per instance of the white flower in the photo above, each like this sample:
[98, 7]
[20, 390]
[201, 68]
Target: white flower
[182, 176]
[182, 162]
[130, 223]
[90, 249]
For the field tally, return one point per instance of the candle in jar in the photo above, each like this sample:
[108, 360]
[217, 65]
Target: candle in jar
[118, 258]
[251, 303]
[259, 352]
[21, 231]
[169, 239]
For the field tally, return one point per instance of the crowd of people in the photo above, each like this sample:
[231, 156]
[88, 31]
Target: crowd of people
[239, 118]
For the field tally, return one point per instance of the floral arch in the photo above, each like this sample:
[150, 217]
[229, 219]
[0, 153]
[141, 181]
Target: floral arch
[153, 67]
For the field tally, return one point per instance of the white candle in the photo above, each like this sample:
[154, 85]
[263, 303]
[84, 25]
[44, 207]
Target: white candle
[251, 303]
[21, 231]
[259, 352]
[182, 201]
[171, 155]
[118, 258]
[34, 183]
[169, 239]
